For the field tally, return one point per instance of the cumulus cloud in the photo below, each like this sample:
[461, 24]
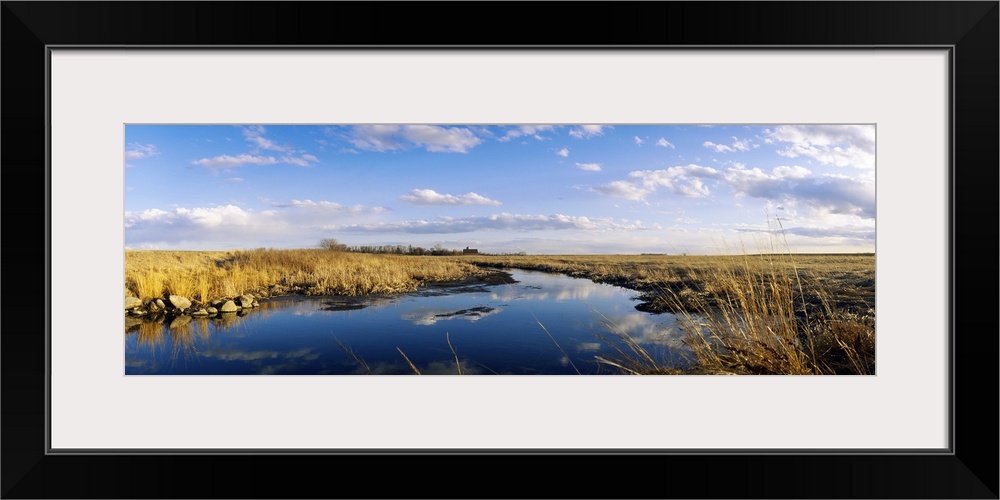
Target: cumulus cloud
[638, 141]
[623, 189]
[593, 167]
[235, 161]
[687, 181]
[720, 148]
[297, 222]
[136, 151]
[587, 131]
[376, 137]
[564, 152]
[839, 145]
[201, 217]
[431, 197]
[496, 222]
[433, 138]
[737, 145]
[825, 194]
[663, 143]
[526, 131]
[682, 180]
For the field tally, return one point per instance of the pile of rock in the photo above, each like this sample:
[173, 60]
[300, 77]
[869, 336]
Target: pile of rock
[176, 305]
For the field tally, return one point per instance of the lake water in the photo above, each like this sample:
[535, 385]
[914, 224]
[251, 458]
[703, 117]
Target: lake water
[544, 324]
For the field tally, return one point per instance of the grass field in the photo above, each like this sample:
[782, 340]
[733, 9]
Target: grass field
[746, 313]
[764, 313]
[206, 276]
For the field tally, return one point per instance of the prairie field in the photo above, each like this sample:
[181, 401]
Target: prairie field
[204, 276]
[765, 313]
[746, 313]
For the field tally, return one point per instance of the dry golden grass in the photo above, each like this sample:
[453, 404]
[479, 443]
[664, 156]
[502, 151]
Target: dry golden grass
[844, 281]
[206, 276]
[765, 312]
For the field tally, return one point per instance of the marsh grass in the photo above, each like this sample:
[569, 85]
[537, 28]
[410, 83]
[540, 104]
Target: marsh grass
[205, 276]
[758, 320]
[759, 312]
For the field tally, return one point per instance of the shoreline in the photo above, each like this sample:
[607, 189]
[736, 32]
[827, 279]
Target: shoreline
[173, 306]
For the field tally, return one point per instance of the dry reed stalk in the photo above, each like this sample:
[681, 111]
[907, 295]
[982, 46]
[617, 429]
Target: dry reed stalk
[458, 365]
[357, 359]
[412, 366]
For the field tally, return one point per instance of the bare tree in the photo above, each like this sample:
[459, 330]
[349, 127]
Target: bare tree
[332, 245]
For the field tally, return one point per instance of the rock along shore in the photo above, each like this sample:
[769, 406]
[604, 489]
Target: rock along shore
[177, 305]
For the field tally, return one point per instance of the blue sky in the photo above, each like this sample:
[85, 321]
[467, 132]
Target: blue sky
[581, 189]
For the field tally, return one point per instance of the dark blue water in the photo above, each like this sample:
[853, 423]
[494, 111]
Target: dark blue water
[544, 324]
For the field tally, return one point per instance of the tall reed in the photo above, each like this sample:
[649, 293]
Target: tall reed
[750, 314]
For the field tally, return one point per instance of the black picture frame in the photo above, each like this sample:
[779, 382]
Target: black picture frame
[968, 470]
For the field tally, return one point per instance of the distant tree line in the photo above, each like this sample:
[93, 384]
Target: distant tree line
[334, 245]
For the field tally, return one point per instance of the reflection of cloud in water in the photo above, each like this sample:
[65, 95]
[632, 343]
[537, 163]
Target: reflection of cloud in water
[646, 329]
[334, 304]
[578, 289]
[445, 367]
[432, 316]
[136, 363]
[588, 346]
[304, 354]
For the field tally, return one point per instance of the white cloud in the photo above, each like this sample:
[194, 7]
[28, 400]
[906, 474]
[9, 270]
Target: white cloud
[839, 145]
[587, 131]
[737, 145]
[682, 180]
[235, 161]
[526, 130]
[663, 143]
[434, 138]
[376, 137]
[325, 205]
[136, 151]
[439, 139]
[255, 135]
[845, 234]
[685, 181]
[302, 161]
[623, 189]
[593, 167]
[201, 217]
[309, 208]
[431, 197]
[721, 148]
[496, 222]
[295, 223]
[839, 195]
[564, 152]
[638, 141]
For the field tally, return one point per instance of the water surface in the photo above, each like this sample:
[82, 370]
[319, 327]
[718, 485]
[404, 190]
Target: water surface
[544, 324]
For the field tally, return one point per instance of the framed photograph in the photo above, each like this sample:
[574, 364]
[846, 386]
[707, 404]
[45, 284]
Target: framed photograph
[387, 147]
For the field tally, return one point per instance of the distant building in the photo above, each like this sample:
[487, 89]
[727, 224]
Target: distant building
[470, 251]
